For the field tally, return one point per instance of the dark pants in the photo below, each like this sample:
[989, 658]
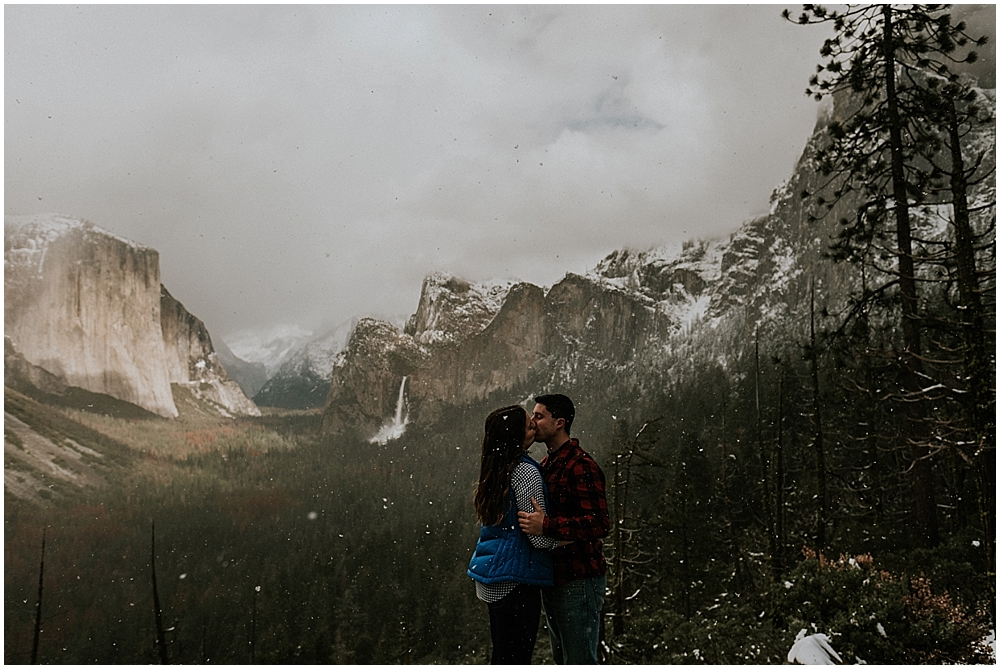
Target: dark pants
[514, 625]
[573, 613]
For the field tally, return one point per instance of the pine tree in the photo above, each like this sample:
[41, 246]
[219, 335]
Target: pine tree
[876, 67]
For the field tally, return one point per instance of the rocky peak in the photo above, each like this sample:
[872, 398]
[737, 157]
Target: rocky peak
[451, 308]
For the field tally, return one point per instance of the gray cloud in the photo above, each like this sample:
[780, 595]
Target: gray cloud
[304, 164]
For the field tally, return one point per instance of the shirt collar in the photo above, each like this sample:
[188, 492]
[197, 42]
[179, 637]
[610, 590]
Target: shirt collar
[562, 450]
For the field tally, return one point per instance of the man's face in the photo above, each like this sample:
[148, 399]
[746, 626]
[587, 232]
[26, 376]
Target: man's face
[545, 425]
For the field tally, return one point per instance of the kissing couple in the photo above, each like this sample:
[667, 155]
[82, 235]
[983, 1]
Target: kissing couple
[540, 545]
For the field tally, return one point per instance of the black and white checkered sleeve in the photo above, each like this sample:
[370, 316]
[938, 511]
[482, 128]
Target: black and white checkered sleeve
[527, 483]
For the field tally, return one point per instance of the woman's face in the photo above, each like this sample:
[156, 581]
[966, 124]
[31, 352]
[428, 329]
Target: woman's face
[529, 432]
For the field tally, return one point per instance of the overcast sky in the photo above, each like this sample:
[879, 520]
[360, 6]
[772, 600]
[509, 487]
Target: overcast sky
[309, 164]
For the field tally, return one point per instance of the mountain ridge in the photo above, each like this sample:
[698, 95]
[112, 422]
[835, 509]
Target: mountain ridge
[637, 320]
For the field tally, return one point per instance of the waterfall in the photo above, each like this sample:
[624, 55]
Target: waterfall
[394, 428]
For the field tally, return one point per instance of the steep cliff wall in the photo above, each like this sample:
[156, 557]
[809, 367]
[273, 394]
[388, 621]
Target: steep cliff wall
[85, 306]
[505, 352]
[251, 376]
[191, 360]
[88, 308]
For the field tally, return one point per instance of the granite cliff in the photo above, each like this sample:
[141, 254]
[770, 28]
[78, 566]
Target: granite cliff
[88, 308]
[467, 341]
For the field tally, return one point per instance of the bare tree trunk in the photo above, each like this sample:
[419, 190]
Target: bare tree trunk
[731, 538]
[765, 484]
[779, 485]
[38, 603]
[617, 600]
[253, 629]
[685, 545]
[161, 639]
[821, 493]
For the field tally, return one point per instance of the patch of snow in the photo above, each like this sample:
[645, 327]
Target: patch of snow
[813, 649]
[42, 229]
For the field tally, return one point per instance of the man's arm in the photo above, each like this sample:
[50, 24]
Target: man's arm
[592, 521]
[532, 523]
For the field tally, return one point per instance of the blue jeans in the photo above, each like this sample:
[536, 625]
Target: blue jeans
[573, 613]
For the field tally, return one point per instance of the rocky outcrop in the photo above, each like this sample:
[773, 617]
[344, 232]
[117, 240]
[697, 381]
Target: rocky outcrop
[192, 362]
[364, 388]
[88, 308]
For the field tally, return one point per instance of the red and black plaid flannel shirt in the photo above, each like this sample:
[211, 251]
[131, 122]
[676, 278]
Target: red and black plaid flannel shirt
[577, 512]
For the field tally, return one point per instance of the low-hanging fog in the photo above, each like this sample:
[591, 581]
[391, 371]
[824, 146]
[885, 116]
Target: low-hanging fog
[306, 164]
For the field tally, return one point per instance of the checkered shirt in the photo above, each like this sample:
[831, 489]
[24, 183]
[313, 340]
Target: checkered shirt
[578, 512]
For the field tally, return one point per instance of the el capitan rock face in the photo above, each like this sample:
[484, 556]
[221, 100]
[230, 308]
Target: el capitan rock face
[88, 308]
[85, 306]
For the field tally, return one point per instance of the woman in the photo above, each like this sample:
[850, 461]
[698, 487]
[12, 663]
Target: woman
[510, 567]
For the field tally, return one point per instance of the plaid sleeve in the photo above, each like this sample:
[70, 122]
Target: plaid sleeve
[585, 515]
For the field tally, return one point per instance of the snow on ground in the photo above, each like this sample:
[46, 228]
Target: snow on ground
[813, 649]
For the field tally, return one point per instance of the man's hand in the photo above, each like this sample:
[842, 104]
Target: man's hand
[531, 523]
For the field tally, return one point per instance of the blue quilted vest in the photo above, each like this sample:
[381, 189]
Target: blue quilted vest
[504, 553]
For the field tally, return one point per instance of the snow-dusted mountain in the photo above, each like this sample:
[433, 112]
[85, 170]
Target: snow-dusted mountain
[303, 378]
[270, 347]
[623, 331]
[88, 308]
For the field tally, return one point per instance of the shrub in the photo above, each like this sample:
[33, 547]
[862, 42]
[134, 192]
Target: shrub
[874, 616]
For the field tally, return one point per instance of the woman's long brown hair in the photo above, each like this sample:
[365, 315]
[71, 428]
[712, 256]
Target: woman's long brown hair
[503, 444]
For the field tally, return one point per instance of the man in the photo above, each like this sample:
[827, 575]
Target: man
[578, 514]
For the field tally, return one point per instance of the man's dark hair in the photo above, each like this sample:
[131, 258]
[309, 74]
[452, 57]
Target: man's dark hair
[559, 406]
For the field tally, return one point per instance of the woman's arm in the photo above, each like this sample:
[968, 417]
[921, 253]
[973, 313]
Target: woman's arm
[527, 484]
